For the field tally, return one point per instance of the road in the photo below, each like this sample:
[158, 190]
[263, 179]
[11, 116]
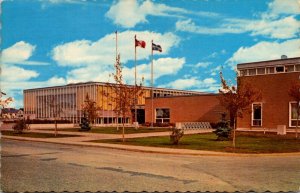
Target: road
[35, 166]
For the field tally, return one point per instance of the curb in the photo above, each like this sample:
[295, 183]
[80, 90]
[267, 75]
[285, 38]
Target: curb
[134, 148]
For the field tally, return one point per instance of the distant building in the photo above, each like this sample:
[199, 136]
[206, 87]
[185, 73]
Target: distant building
[70, 99]
[11, 113]
[273, 78]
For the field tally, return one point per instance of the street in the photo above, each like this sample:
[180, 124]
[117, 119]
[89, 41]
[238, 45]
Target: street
[35, 166]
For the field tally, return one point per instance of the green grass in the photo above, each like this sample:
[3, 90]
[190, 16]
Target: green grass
[113, 130]
[35, 135]
[245, 143]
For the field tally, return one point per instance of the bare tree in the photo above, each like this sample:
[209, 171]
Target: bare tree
[122, 95]
[294, 92]
[237, 100]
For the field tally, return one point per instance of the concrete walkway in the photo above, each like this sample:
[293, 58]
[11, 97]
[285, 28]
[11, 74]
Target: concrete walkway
[84, 138]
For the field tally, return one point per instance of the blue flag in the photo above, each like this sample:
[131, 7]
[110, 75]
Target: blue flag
[156, 47]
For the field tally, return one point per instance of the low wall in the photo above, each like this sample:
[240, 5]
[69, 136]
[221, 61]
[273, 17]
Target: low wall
[52, 125]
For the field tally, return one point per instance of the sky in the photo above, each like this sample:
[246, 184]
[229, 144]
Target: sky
[56, 42]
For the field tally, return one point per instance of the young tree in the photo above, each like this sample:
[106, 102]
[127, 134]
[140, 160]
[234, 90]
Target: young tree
[237, 100]
[55, 110]
[294, 92]
[122, 95]
[4, 102]
[90, 108]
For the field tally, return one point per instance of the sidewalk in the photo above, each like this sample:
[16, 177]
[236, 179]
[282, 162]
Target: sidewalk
[84, 138]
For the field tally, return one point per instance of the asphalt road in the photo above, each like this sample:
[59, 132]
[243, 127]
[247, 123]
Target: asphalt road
[35, 166]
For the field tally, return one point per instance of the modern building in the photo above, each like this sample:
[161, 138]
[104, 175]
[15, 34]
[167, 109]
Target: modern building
[69, 99]
[274, 79]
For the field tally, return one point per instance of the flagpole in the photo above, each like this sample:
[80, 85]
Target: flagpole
[152, 120]
[135, 111]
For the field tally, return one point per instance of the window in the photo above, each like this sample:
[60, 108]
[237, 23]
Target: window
[270, 70]
[289, 68]
[257, 114]
[279, 68]
[162, 115]
[297, 67]
[243, 72]
[293, 114]
[252, 72]
[260, 70]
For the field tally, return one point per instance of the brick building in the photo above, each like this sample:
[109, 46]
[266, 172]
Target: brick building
[193, 108]
[273, 78]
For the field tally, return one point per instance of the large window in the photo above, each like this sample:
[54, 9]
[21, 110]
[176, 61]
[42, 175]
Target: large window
[293, 114]
[257, 114]
[162, 115]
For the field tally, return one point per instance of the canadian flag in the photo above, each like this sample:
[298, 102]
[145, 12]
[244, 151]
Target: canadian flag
[140, 43]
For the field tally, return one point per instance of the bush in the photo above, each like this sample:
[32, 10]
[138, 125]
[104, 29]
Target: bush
[20, 126]
[176, 135]
[223, 131]
[84, 125]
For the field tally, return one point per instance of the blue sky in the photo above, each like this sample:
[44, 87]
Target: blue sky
[56, 42]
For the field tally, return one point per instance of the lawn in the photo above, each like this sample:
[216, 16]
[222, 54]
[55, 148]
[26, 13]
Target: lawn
[245, 143]
[113, 130]
[35, 135]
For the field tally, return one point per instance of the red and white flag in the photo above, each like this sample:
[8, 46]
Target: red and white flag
[140, 43]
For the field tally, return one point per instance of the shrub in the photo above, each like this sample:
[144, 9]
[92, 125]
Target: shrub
[176, 135]
[84, 125]
[223, 131]
[20, 126]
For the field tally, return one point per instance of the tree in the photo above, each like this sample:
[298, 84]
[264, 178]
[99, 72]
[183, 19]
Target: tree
[90, 109]
[237, 100]
[294, 92]
[4, 102]
[122, 95]
[55, 110]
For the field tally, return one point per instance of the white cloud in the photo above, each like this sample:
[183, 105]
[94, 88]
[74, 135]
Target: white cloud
[284, 28]
[278, 21]
[215, 70]
[14, 73]
[19, 52]
[279, 7]
[161, 66]
[265, 51]
[189, 26]
[287, 27]
[203, 64]
[102, 52]
[137, 12]
[193, 83]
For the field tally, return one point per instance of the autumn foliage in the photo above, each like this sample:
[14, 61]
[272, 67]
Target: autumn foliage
[237, 99]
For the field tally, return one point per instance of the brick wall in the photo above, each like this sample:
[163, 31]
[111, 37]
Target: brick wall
[204, 108]
[275, 99]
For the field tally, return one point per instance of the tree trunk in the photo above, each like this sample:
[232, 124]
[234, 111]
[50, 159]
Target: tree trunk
[55, 127]
[234, 128]
[298, 111]
[123, 131]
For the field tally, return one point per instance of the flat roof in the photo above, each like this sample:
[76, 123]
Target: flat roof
[104, 84]
[269, 63]
[192, 95]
